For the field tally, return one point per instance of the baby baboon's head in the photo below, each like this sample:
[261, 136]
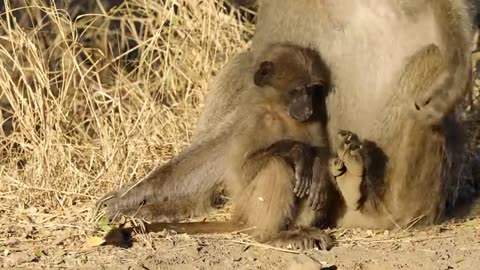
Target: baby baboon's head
[298, 76]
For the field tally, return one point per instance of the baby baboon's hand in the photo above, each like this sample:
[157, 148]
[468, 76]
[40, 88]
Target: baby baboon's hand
[303, 157]
[318, 189]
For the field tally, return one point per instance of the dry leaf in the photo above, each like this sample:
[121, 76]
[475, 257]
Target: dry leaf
[94, 241]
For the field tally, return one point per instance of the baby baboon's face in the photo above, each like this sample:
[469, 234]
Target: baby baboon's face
[297, 76]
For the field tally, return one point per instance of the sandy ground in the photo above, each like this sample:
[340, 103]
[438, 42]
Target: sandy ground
[35, 238]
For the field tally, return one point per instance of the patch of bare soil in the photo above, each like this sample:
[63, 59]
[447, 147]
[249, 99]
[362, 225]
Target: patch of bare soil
[35, 238]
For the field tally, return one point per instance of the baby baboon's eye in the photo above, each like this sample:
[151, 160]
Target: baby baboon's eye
[315, 87]
[295, 92]
[264, 73]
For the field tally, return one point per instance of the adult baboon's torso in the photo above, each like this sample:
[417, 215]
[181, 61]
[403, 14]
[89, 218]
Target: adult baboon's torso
[366, 44]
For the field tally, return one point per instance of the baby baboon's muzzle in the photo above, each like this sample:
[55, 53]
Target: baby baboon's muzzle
[301, 104]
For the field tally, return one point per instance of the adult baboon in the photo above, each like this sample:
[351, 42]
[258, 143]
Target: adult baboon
[367, 45]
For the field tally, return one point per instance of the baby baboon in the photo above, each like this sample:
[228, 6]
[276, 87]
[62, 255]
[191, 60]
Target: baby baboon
[367, 45]
[269, 175]
[289, 81]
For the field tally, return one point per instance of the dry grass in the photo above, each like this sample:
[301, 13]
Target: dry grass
[99, 96]
[93, 96]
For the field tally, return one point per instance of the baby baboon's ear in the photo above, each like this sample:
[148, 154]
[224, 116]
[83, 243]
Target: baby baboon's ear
[264, 74]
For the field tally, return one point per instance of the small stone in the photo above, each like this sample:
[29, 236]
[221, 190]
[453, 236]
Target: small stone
[305, 266]
[252, 259]
[18, 258]
[304, 262]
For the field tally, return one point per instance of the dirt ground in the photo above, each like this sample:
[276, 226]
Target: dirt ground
[37, 239]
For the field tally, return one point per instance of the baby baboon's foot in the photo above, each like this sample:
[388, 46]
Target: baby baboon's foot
[348, 168]
[350, 152]
[303, 239]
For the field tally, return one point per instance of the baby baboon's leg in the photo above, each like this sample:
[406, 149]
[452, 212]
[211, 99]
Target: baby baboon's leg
[299, 237]
[348, 169]
[269, 204]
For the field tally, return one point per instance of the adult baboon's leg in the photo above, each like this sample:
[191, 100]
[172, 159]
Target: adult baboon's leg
[187, 184]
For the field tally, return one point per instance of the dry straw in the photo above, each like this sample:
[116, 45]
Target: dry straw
[94, 93]
[100, 93]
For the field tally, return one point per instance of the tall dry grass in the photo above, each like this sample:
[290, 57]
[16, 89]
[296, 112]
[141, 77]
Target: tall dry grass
[95, 93]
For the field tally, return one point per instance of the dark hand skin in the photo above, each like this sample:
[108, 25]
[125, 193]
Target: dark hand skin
[318, 192]
[311, 173]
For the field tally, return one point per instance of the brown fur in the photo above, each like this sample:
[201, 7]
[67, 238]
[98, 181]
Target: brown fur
[263, 184]
[350, 168]
[367, 45]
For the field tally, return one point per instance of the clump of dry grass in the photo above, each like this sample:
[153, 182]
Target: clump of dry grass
[99, 94]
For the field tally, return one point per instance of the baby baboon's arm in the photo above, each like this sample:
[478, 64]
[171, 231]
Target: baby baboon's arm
[310, 165]
[301, 157]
